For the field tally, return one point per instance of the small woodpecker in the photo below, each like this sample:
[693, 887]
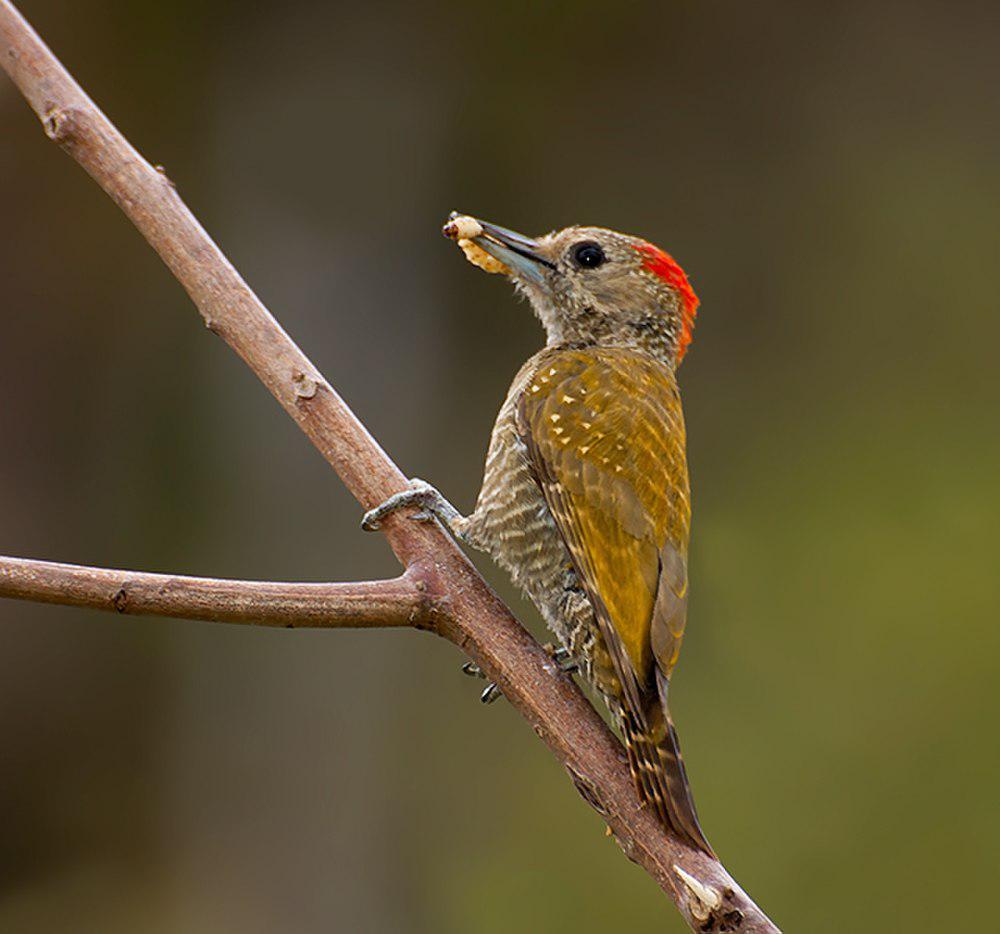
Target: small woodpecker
[585, 498]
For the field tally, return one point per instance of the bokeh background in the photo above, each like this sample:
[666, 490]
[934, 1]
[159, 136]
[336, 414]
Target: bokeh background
[828, 174]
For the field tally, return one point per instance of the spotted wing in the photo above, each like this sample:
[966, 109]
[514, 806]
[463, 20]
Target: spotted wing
[605, 433]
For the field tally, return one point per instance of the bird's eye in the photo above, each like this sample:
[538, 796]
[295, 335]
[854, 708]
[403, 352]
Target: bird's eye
[588, 255]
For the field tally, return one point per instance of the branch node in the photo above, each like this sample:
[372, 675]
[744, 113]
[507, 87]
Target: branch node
[305, 385]
[61, 124]
[120, 600]
[705, 904]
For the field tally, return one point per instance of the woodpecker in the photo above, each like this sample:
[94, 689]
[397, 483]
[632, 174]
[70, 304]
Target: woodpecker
[585, 499]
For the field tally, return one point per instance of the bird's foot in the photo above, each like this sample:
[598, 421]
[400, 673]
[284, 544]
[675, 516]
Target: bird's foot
[565, 660]
[491, 692]
[420, 493]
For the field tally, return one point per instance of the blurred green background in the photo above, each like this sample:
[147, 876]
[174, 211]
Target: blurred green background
[828, 174]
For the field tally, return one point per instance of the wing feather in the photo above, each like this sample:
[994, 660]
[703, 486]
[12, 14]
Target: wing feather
[605, 436]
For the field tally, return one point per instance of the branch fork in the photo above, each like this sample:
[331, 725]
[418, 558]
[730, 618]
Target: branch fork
[439, 589]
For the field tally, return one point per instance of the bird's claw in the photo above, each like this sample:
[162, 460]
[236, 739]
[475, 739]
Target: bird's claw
[420, 493]
[417, 495]
[565, 660]
[491, 692]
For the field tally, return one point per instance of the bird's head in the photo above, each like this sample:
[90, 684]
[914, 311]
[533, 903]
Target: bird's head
[594, 286]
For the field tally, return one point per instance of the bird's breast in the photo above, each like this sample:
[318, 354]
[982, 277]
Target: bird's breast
[513, 523]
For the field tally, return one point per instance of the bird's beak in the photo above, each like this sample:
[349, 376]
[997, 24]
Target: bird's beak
[521, 254]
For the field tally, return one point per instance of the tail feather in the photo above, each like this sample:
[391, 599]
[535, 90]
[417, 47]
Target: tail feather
[657, 768]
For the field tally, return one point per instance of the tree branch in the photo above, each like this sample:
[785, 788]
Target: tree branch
[468, 612]
[398, 602]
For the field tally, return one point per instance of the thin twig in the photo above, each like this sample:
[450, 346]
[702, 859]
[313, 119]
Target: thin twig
[397, 602]
[469, 613]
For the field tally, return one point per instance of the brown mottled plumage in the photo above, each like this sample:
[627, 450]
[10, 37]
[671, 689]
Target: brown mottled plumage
[585, 498]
